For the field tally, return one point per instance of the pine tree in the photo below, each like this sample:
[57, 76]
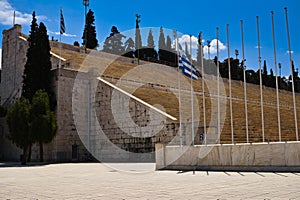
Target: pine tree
[265, 70]
[89, 34]
[37, 72]
[162, 45]
[265, 73]
[271, 73]
[150, 52]
[150, 40]
[161, 40]
[113, 43]
[129, 48]
[44, 60]
[169, 44]
[29, 85]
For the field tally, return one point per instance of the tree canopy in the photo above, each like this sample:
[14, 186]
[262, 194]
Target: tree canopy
[18, 120]
[42, 120]
[37, 70]
[89, 33]
[113, 43]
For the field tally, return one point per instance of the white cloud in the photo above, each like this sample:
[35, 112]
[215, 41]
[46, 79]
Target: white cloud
[7, 13]
[186, 39]
[289, 51]
[65, 34]
[213, 47]
[0, 58]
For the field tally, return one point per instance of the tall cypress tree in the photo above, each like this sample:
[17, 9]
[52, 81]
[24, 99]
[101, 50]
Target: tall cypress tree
[150, 52]
[37, 72]
[265, 73]
[89, 34]
[129, 48]
[161, 40]
[29, 85]
[44, 60]
[161, 45]
[169, 44]
[150, 40]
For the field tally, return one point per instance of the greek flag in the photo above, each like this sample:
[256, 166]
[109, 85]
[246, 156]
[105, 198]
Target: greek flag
[186, 66]
[62, 23]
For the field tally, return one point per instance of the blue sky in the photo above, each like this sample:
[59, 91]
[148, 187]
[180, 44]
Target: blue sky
[188, 17]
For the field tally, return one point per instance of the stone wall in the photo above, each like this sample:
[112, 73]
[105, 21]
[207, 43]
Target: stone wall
[14, 49]
[108, 138]
[277, 156]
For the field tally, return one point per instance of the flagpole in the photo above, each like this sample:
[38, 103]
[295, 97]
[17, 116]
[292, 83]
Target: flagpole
[14, 18]
[218, 84]
[260, 82]
[230, 92]
[245, 83]
[192, 98]
[179, 86]
[203, 87]
[292, 73]
[60, 25]
[276, 72]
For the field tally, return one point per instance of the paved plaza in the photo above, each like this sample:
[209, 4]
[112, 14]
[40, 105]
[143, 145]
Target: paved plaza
[97, 181]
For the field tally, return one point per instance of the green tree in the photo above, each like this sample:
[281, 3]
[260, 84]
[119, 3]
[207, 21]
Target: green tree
[113, 43]
[149, 51]
[150, 40]
[43, 123]
[265, 73]
[29, 82]
[76, 44]
[37, 70]
[18, 120]
[129, 48]
[161, 40]
[169, 44]
[89, 33]
[162, 45]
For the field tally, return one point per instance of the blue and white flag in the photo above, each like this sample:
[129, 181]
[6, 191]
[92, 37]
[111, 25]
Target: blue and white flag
[62, 23]
[186, 66]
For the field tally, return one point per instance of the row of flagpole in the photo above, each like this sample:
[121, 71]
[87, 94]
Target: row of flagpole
[245, 84]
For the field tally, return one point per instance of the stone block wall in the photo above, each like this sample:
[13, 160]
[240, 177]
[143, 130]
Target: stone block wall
[277, 156]
[110, 129]
[14, 48]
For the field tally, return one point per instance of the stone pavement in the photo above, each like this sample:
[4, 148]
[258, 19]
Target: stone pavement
[97, 181]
